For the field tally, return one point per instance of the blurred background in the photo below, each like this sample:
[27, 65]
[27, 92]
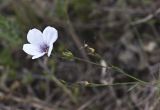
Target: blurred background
[125, 33]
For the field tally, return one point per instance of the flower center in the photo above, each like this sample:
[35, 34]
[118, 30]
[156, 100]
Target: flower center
[44, 48]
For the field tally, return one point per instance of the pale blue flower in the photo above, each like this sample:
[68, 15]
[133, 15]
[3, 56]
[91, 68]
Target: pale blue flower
[40, 43]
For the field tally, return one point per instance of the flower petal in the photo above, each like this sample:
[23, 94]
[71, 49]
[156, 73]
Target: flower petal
[31, 49]
[50, 50]
[34, 36]
[39, 55]
[50, 35]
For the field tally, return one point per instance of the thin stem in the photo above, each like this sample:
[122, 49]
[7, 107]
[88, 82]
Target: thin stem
[111, 66]
[114, 84]
[87, 84]
[59, 83]
[86, 61]
[63, 87]
[121, 71]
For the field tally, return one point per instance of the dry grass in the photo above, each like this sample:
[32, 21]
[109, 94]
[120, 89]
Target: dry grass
[124, 33]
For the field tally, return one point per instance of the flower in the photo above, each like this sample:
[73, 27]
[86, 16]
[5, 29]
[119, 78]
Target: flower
[40, 43]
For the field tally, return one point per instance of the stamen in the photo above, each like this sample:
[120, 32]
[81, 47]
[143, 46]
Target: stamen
[44, 48]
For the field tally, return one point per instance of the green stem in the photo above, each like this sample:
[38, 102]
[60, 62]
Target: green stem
[60, 84]
[101, 85]
[64, 88]
[108, 67]
[114, 84]
[113, 67]
[121, 71]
